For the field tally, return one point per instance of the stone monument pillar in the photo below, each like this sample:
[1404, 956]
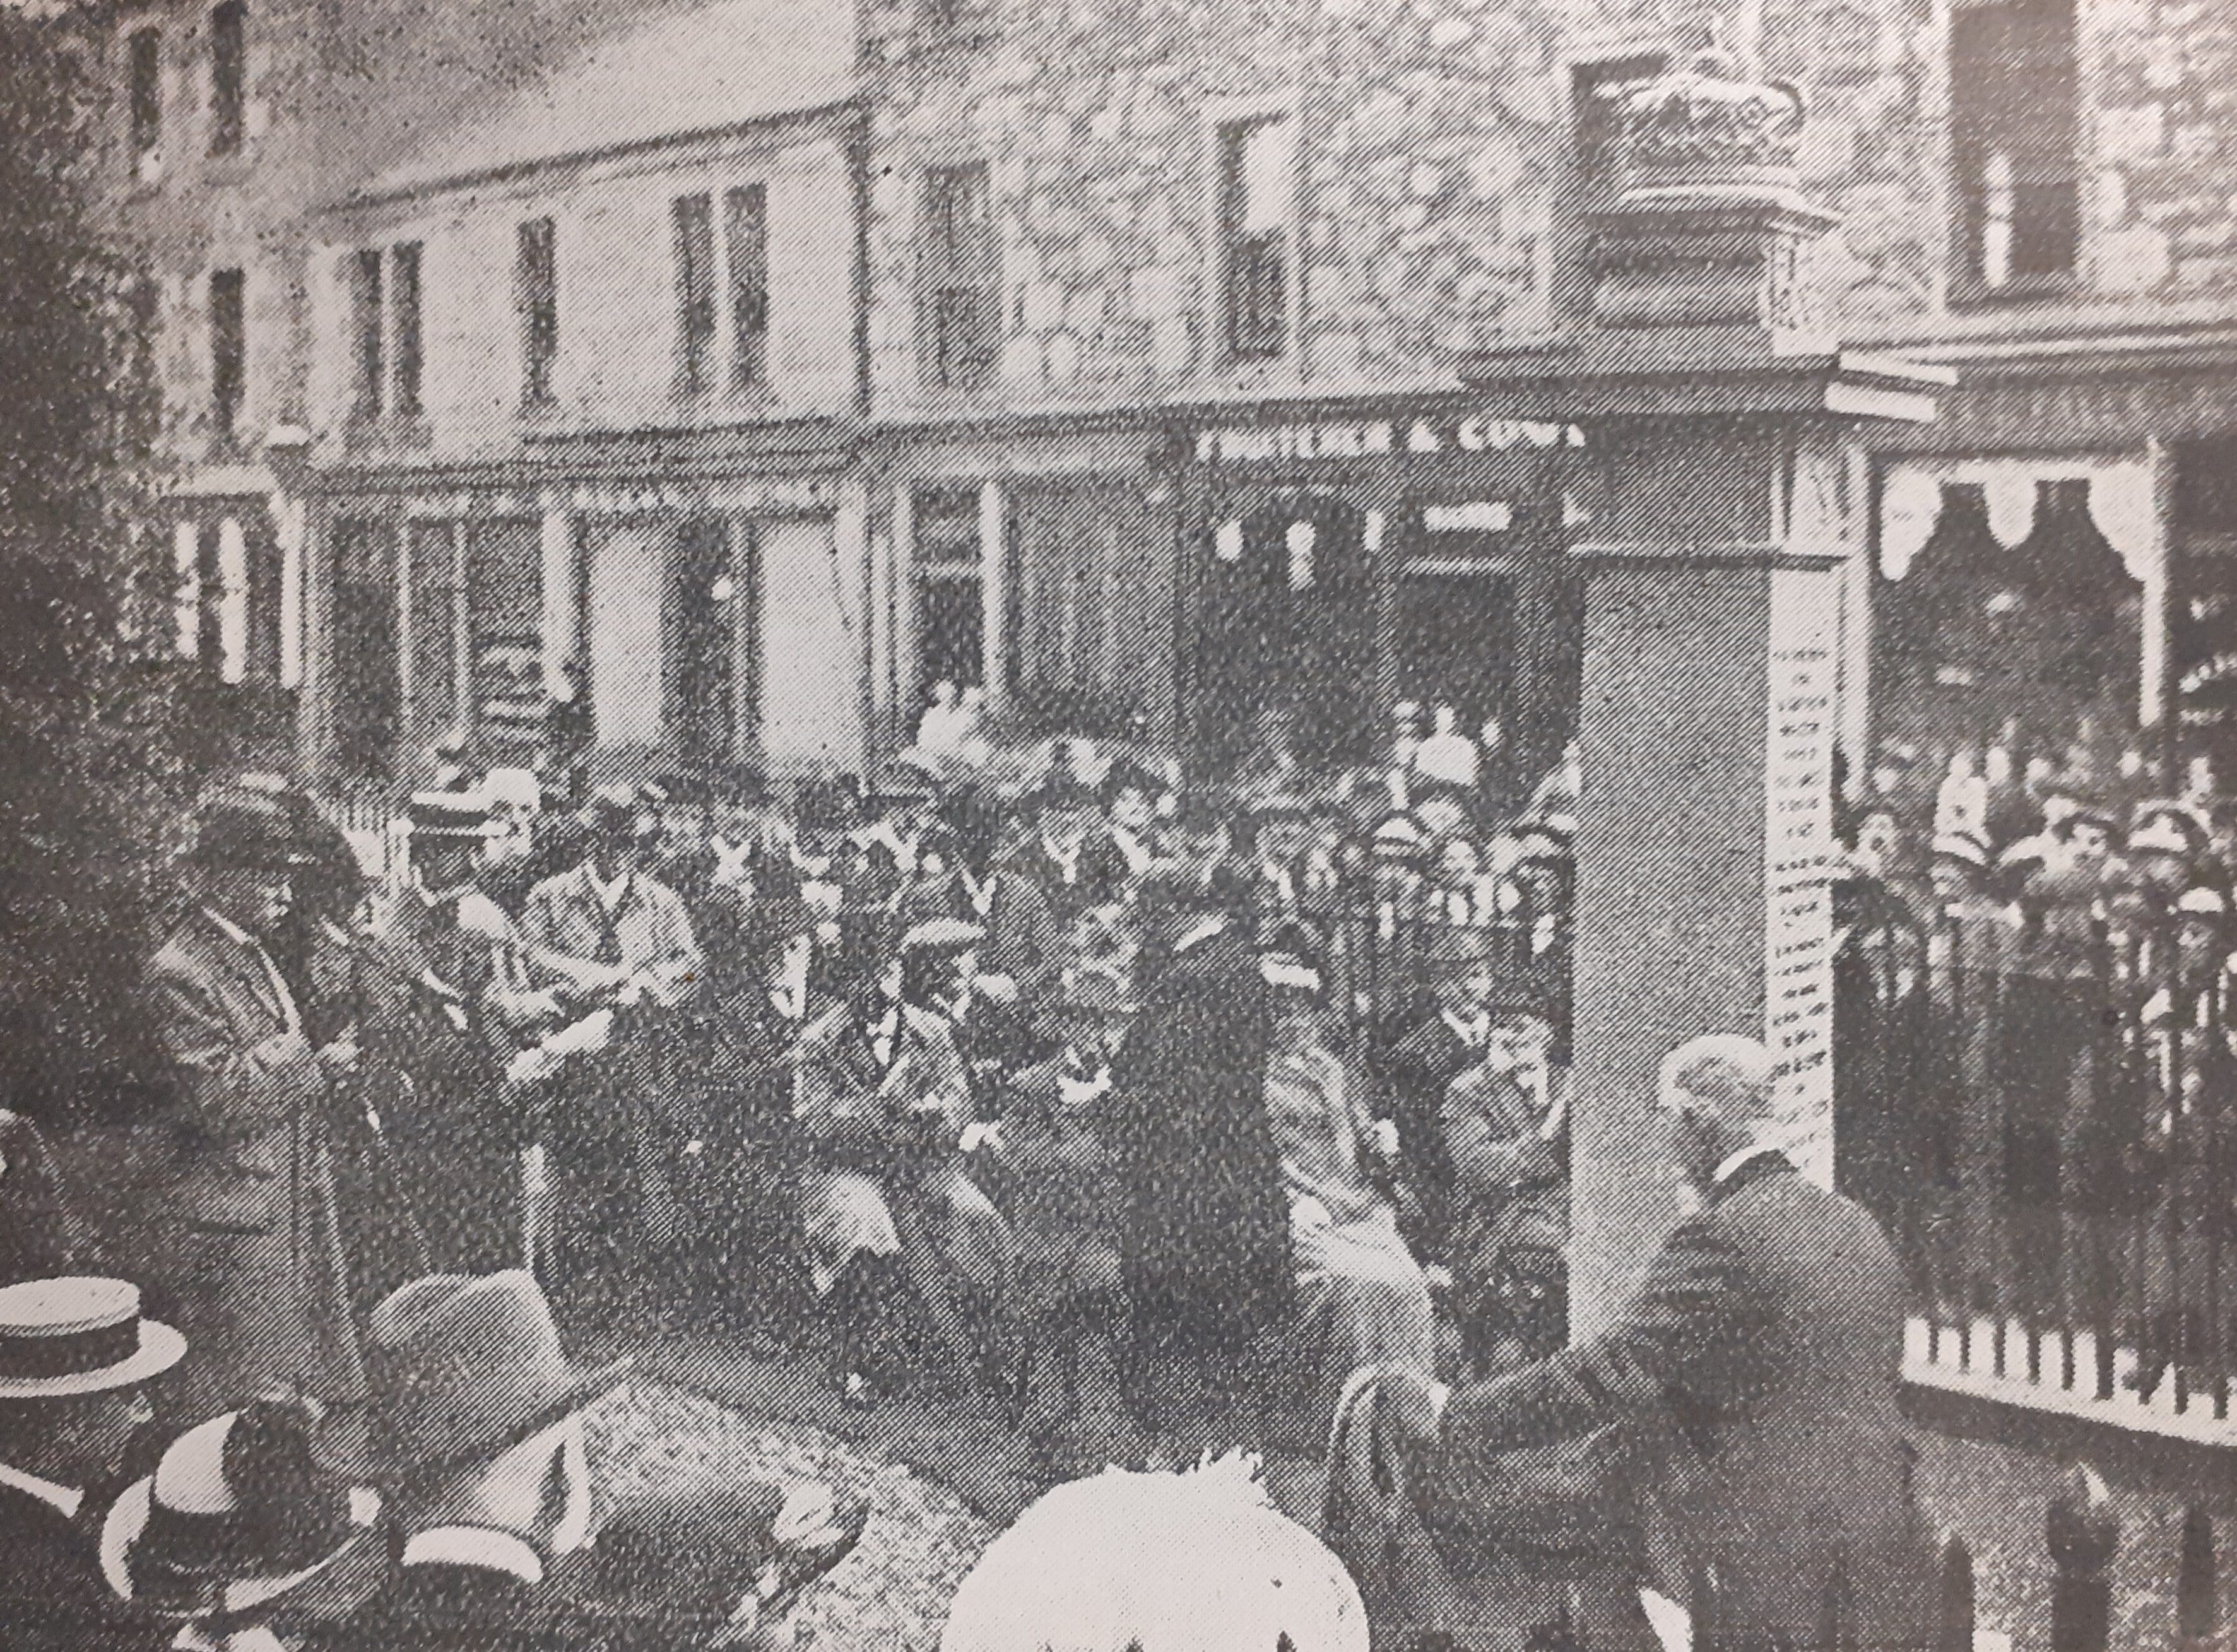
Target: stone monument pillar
[1720, 492]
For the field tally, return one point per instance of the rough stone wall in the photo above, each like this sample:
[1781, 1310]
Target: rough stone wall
[1426, 130]
[2164, 193]
[1433, 142]
[1870, 72]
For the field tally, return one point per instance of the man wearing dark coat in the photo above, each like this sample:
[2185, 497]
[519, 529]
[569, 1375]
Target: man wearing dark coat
[1444, 1039]
[242, 1234]
[1204, 1223]
[1767, 1339]
[1043, 884]
[446, 1000]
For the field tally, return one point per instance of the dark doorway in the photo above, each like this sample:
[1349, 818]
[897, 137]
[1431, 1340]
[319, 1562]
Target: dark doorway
[1285, 651]
[713, 620]
[368, 698]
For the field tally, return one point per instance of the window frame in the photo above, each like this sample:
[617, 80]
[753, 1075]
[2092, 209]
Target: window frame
[144, 93]
[1974, 109]
[228, 79]
[537, 300]
[745, 282]
[1235, 249]
[692, 268]
[958, 281]
[229, 348]
[952, 503]
[408, 329]
[368, 290]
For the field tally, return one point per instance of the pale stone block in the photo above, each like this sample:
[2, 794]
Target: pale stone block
[1532, 98]
[2133, 134]
[1172, 343]
[1152, 293]
[1107, 125]
[1043, 306]
[1085, 311]
[1021, 359]
[2133, 259]
[1063, 358]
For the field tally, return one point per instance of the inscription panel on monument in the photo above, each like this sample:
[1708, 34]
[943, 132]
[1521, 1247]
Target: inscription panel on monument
[1797, 951]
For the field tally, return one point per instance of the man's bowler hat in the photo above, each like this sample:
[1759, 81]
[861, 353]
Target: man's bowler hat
[238, 829]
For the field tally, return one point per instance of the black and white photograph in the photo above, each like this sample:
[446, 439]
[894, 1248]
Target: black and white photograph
[1117, 825]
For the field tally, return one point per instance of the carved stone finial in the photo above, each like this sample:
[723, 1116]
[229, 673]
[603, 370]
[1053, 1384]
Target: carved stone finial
[1706, 132]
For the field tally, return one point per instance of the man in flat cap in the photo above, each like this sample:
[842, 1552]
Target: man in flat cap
[241, 1234]
[615, 945]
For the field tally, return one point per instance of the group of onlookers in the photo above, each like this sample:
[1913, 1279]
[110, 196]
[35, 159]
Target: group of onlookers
[2037, 1085]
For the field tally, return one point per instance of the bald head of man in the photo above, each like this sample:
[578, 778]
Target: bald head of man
[1716, 1090]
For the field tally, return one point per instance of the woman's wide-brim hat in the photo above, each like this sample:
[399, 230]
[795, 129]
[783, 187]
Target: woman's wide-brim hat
[79, 1335]
[460, 1368]
[238, 1512]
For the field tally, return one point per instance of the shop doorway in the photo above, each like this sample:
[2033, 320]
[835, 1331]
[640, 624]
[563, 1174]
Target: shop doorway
[1286, 655]
[368, 690]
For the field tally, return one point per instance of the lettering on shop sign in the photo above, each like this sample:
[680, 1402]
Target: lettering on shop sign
[1798, 871]
[665, 499]
[1373, 437]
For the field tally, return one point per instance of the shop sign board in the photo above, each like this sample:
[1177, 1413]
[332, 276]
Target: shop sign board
[1475, 433]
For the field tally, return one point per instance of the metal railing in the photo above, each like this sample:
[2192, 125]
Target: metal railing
[2048, 1125]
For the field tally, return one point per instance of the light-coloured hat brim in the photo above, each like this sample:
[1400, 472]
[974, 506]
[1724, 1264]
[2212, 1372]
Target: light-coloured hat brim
[127, 1521]
[161, 1348]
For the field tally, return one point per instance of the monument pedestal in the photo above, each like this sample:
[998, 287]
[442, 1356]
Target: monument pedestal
[1720, 495]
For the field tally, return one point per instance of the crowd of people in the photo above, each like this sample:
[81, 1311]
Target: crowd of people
[2035, 1081]
[1012, 1064]
[1010, 1068]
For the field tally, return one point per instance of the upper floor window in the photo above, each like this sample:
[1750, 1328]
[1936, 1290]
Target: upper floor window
[387, 337]
[734, 265]
[962, 274]
[229, 75]
[693, 221]
[939, 17]
[537, 298]
[2015, 120]
[745, 250]
[143, 51]
[1258, 210]
[229, 334]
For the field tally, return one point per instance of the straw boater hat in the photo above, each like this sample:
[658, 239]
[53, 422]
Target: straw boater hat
[79, 1335]
[456, 815]
[1964, 846]
[2203, 901]
[2166, 827]
[950, 936]
[238, 1512]
[460, 1368]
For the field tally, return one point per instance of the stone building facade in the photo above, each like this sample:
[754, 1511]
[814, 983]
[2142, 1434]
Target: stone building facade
[1133, 341]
